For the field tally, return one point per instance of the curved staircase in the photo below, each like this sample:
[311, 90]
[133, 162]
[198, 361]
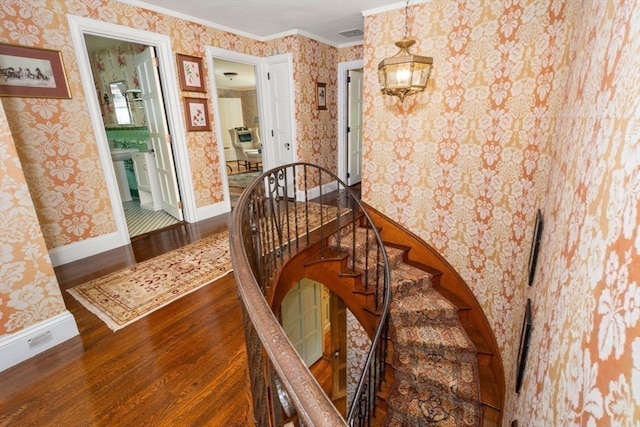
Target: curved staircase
[437, 363]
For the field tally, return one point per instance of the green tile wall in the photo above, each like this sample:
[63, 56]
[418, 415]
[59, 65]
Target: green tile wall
[128, 137]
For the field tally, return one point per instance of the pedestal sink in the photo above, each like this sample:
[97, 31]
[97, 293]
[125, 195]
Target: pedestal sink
[119, 155]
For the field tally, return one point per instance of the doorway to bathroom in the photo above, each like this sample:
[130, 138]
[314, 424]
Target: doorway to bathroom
[132, 111]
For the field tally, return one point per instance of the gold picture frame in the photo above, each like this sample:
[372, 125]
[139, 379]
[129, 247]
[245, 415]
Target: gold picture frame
[32, 72]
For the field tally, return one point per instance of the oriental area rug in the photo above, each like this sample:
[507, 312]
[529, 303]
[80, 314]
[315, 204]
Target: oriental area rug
[125, 296]
[242, 180]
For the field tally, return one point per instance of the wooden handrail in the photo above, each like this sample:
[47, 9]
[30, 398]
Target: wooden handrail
[261, 244]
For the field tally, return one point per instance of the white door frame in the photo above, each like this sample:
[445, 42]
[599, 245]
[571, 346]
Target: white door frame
[343, 111]
[80, 26]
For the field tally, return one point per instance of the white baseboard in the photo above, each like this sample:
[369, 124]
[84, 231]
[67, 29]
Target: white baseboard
[314, 192]
[85, 248]
[107, 242]
[15, 348]
[215, 209]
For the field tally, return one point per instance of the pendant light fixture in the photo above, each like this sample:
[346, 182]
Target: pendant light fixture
[404, 73]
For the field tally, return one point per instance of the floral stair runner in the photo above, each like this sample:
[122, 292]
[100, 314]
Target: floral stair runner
[435, 364]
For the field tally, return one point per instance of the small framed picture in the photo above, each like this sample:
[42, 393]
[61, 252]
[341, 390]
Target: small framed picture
[535, 246]
[197, 114]
[32, 72]
[321, 95]
[523, 350]
[191, 73]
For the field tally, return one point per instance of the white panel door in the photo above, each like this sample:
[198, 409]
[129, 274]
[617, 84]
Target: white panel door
[279, 82]
[146, 66]
[302, 320]
[230, 117]
[354, 135]
[280, 147]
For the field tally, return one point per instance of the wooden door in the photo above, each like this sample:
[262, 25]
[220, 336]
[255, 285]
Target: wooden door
[301, 320]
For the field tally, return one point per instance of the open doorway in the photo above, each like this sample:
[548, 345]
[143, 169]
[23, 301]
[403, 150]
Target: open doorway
[135, 128]
[275, 128]
[167, 97]
[239, 122]
[350, 113]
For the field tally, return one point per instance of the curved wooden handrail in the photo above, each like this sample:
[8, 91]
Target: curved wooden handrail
[313, 406]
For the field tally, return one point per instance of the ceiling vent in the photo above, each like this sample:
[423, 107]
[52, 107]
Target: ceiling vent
[352, 33]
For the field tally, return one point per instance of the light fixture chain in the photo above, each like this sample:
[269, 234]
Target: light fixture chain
[406, 20]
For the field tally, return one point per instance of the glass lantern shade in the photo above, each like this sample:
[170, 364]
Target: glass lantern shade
[404, 73]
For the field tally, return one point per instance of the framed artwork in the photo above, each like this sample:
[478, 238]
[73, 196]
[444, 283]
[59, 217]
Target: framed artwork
[535, 246]
[197, 114]
[523, 351]
[321, 95]
[32, 72]
[191, 73]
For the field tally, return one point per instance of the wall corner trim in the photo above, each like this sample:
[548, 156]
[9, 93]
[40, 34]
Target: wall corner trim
[15, 348]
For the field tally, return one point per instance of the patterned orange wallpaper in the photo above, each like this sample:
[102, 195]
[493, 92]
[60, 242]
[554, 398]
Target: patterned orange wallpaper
[55, 140]
[531, 104]
[113, 64]
[54, 137]
[29, 292]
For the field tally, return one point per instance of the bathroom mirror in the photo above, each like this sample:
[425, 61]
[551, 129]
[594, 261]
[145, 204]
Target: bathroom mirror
[120, 103]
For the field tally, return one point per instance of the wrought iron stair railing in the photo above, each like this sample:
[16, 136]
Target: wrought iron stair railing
[288, 210]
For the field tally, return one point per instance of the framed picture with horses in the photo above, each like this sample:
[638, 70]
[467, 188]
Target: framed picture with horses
[32, 72]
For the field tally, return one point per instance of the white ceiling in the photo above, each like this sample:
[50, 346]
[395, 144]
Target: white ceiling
[262, 19]
[322, 20]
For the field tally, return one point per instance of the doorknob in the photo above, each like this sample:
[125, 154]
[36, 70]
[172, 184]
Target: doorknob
[287, 145]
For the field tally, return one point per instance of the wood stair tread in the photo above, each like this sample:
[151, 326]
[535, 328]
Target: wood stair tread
[407, 274]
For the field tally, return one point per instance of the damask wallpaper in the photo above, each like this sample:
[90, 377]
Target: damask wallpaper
[530, 104]
[29, 291]
[54, 137]
[114, 64]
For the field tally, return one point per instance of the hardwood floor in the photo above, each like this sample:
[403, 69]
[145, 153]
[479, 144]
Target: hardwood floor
[184, 364]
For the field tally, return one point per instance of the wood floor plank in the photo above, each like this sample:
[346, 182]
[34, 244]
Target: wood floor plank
[184, 364]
